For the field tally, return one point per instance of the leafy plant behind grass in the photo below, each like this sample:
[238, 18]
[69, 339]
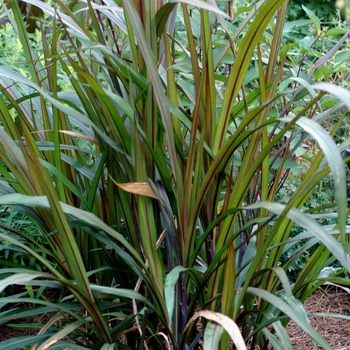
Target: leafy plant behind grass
[154, 179]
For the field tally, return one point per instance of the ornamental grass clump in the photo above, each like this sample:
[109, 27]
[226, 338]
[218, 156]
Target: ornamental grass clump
[153, 176]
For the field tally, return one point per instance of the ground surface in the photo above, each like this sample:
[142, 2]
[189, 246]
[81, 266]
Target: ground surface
[335, 330]
[328, 300]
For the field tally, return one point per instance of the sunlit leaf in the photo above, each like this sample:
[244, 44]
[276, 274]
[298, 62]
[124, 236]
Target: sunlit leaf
[169, 288]
[225, 322]
[212, 336]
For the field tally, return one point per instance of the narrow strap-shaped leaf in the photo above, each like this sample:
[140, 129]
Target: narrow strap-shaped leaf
[241, 64]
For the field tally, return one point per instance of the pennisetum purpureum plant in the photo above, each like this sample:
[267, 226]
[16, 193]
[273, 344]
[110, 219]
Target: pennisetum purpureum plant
[153, 176]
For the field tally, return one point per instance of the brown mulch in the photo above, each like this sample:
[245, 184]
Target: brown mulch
[18, 330]
[335, 331]
[8, 332]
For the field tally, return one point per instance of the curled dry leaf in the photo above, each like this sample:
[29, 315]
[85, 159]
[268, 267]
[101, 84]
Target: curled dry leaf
[141, 188]
[227, 323]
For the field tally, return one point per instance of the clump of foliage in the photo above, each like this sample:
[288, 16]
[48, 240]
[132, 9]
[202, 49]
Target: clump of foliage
[154, 176]
[325, 9]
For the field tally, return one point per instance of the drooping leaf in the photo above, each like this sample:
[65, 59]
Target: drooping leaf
[227, 323]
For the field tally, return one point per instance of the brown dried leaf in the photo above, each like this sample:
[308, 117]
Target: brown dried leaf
[140, 188]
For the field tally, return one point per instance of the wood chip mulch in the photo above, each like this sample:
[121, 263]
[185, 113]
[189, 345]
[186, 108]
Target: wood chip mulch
[335, 331]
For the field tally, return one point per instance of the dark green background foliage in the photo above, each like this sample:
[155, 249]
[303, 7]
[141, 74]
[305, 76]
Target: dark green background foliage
[324, 9]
